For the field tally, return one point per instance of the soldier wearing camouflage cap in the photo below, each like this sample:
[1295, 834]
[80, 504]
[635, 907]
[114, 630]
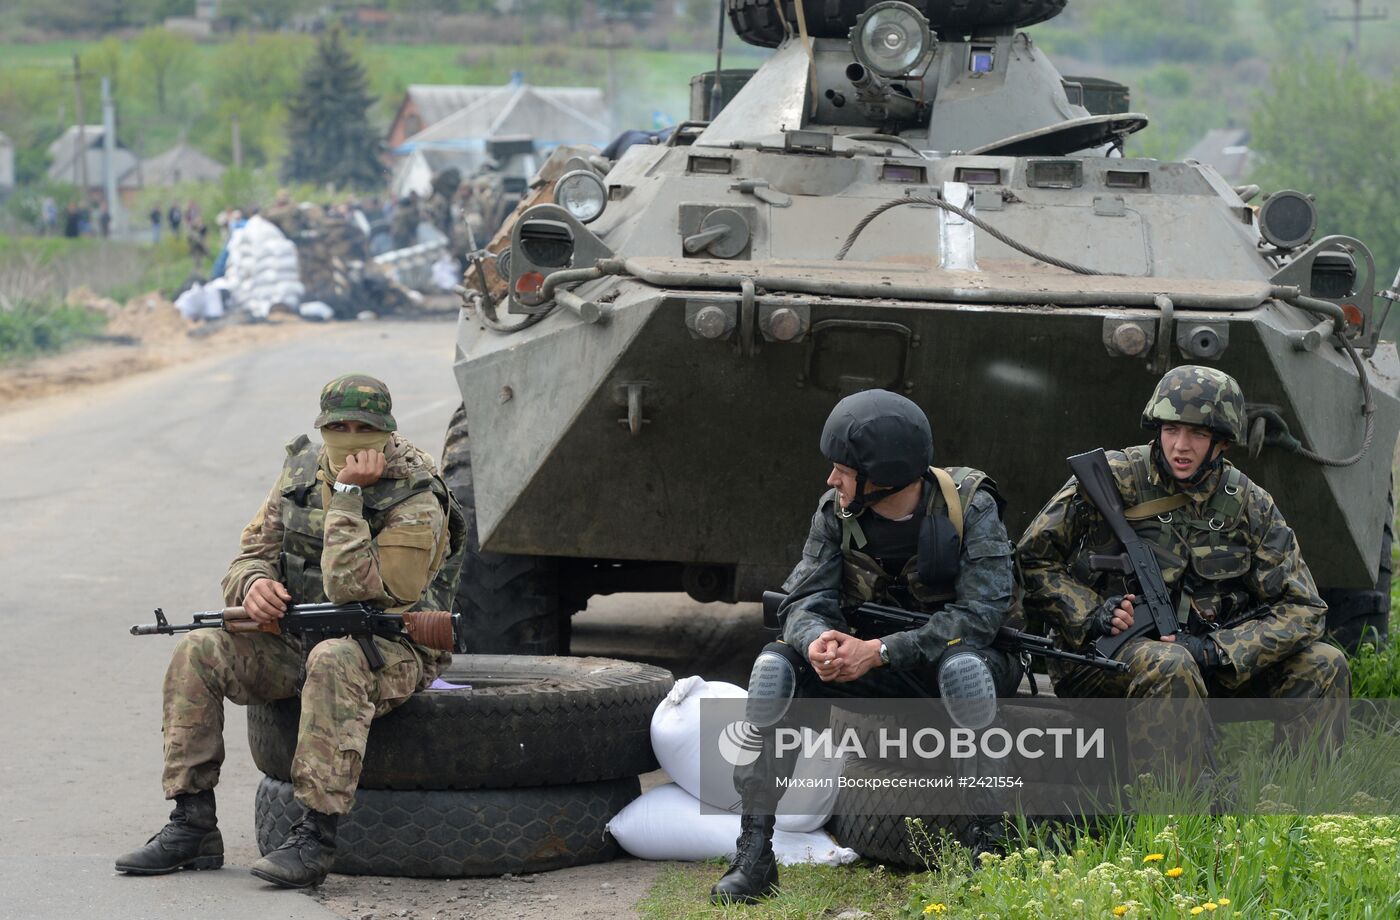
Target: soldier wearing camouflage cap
[1251, 618]
[363, 517]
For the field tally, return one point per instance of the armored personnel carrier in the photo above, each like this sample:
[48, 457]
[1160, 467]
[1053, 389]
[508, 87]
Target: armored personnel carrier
[909, 197]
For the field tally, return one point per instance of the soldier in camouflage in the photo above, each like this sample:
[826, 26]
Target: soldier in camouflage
[1250, 616]
[896, 530]
[366, 517]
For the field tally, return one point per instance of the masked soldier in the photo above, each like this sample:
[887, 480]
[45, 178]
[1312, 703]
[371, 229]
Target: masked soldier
[366, 517]
[1251, 620]
[895, 530]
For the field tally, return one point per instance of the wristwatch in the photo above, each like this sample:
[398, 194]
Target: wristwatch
[347, 487]
[884, 654]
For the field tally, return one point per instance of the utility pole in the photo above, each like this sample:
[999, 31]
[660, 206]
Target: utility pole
[80, 176]
[109, 148]
[1356, 18]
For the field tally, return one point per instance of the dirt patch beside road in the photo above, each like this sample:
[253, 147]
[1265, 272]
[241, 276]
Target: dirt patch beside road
[135, 348]
[607, 891]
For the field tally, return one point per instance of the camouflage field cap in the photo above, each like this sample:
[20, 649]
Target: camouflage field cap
[1195, 395]
[357, 398]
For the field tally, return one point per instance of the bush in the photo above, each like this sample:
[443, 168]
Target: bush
[29, 329]
[1375, 670]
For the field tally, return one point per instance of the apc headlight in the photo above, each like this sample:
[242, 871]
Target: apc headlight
[582, 194]
[1288, 219]
[891, 38]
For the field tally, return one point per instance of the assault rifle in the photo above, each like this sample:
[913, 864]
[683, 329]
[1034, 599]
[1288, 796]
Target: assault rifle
[1096, 483]
[875, 621]
[314, 623]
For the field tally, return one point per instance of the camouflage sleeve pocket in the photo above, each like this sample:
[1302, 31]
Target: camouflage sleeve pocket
[405, 557]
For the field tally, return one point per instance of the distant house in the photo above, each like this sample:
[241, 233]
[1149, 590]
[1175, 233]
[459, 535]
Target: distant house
[1226, 149]
[439, 126]
[7, 165]
[77, 155]
[203, 24]
[424, 105]
[181, 163]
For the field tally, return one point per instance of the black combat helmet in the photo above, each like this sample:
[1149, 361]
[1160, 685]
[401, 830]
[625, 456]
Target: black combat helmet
[884, 437]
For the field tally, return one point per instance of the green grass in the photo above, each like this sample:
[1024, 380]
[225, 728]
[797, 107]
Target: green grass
[1267, 866]
[36, 274]
[27, 330]
[1299, 868]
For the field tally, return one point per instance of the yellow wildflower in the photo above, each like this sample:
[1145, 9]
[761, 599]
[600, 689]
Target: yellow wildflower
[937, 907]
[1222, 900]
[1196, 910]
[1153, 857]
[1175, 872]
[1120, 910]
[1210, 905]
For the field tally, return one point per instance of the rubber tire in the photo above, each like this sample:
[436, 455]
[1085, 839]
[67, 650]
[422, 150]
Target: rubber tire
[1353, 616]
[858, 824]
[528, 721]
[757, 22]
[456, 834]
[509, 605]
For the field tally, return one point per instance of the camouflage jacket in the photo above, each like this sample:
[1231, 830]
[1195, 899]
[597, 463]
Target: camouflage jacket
[982, 590]
[1227, 554]
[381, 547]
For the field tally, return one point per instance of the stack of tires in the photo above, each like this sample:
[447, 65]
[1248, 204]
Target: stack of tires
[520, 773]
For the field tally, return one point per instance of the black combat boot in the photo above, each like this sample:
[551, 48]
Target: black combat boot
[190, 841]
[987, 834]
[305, 856]
[753, 875]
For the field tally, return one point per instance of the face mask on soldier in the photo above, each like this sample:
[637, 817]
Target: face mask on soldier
[341, 444]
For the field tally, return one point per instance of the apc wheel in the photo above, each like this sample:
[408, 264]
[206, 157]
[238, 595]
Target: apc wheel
[757, 21]
[526, 721]
[1353, 616]
[454, 834]
[509, 605]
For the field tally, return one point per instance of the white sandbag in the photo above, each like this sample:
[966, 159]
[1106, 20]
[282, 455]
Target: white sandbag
[675, 730]
[315, 309]
[191, 303]
[667, 823]
[675, 737]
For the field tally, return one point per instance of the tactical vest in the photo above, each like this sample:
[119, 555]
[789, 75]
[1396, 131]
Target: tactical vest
[865, 580]
[1204, 550]
[303, 512]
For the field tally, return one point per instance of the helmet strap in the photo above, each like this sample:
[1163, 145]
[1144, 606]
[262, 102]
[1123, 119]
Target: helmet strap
[1208, 466]
[863, 499]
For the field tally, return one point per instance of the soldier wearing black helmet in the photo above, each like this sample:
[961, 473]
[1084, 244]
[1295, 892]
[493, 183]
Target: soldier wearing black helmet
[1250, 616]
[895, 529]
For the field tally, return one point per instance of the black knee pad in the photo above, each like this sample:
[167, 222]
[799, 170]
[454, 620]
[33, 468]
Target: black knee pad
[772, 685]
[968, 689]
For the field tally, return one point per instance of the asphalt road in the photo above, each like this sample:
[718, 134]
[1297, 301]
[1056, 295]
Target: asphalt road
[131, 496]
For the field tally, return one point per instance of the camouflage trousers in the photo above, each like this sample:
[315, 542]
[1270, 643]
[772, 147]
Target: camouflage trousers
[339, 699]
[1182, 730]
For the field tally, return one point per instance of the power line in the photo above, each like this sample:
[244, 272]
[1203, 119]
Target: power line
[1356, 18]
